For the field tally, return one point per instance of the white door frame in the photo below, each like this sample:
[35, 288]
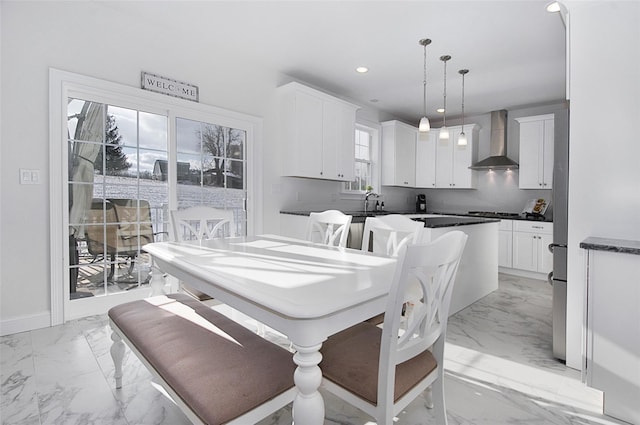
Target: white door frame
[64, 84]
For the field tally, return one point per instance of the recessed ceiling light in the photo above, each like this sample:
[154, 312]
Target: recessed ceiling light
[554, 6]
[440, 110]
[362, 69]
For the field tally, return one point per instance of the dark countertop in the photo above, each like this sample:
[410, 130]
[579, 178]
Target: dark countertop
[431, 222]
[434, 222]
[611, 245]
[359, 216]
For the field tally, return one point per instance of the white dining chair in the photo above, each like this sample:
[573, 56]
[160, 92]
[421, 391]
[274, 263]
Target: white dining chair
[380, 371]
[198, 224]
[329, 227]
[386, 234]
[202, 222]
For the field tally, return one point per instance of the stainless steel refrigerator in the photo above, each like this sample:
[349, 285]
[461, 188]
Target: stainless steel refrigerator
[558, 277]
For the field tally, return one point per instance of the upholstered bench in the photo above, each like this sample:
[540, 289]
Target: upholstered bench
[215, 370]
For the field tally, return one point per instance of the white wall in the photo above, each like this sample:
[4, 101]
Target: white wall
[82, 37]
[604, 168]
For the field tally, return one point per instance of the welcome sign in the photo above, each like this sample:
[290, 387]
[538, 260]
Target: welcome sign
[169, 86]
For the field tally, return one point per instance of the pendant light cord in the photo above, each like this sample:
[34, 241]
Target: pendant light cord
[444, 120]
[463, 103]
[463, 72]
[444, 59]
[424, 82]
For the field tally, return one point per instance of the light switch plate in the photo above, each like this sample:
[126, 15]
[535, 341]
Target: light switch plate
[28, 176]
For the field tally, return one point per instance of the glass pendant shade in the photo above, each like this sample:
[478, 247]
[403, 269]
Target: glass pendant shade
[462, 139]
[424, 126]
[444, 133]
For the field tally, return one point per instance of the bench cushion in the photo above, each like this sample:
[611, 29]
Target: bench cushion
[219, 368]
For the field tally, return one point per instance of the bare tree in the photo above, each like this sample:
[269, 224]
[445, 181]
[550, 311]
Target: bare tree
[222, 143]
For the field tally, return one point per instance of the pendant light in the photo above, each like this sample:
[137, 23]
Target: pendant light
[424, 122]
[444, 131]
[462, 138]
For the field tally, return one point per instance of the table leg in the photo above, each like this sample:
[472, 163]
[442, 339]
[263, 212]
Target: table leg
[308, 406]
[117, 354]
[157, 281]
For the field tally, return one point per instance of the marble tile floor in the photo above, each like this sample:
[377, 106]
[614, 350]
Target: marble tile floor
[499, 370]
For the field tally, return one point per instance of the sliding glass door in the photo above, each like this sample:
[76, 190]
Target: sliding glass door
[125, 158]
[116, 203]
[211, 167]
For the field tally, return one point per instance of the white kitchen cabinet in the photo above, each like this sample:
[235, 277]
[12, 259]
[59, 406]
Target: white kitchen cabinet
[505, 243]
[453, 161]
[398, 154]
[536, 151]
[317, 131]
[530, 246]
[426, 159]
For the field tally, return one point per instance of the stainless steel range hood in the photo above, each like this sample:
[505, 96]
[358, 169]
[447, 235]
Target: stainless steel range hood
[498, 146]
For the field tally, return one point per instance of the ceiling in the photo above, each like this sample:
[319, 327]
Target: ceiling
[515, 50]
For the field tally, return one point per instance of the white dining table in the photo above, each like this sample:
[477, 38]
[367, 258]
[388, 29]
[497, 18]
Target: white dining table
[306, 291]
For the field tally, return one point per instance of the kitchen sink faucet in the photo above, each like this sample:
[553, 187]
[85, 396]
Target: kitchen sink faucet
[366, 199]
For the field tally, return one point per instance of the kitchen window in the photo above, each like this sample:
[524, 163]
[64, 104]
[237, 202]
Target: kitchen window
[366, 144]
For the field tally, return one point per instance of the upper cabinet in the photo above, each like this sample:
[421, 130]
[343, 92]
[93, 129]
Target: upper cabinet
[426, 159]
[413, 159]
[536, 151]
[453, 161]
[398, 154]
[317, 131]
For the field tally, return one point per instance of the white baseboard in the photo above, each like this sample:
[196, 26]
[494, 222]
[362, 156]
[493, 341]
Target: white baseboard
[523, 273]
[25, 323]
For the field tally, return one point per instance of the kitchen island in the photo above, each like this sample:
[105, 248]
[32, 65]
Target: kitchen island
[478, 271]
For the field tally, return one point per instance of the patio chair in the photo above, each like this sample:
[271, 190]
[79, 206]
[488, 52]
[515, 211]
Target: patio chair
[118, 228]
[380, 371]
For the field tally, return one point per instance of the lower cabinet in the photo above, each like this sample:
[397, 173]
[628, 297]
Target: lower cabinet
[505, 244]
[530, 246]
[523, 245]
[612, 354]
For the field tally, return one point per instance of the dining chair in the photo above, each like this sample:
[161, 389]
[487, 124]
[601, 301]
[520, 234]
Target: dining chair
[202, 222]
[387, 234]
[380, 371]
[198, 224]
[329, 227]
